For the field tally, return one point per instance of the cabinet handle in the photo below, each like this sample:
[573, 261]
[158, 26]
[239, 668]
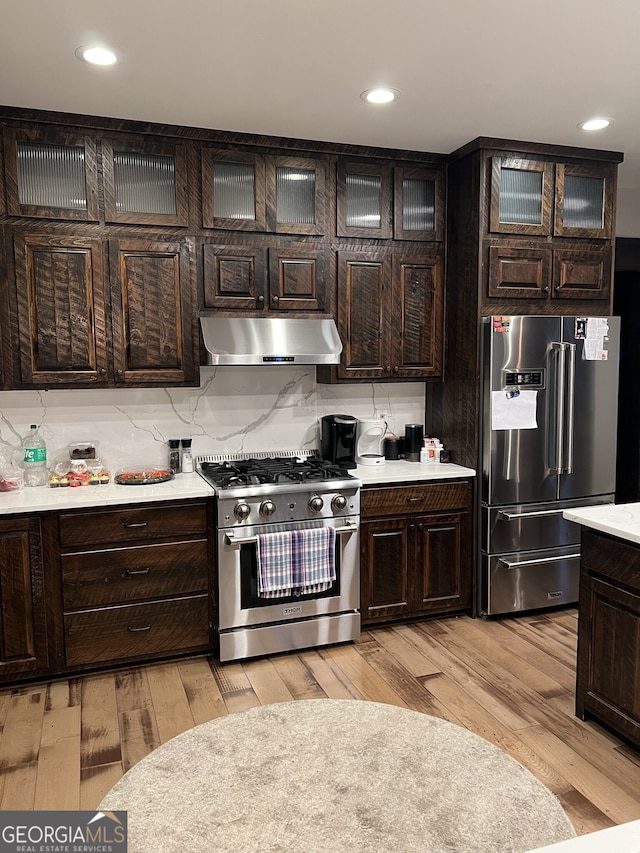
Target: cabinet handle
[388, 368]
[103, 371]
[119, 373]
[439, 529]
[275, 298]
[413, 500]
[135, 523]
[141, 628]
[132, 572]
[396, 369]
[545, 290]
[261, 299]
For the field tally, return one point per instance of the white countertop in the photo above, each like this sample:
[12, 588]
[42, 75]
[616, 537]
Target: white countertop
[617, 839]
[401, 471]
[45, 498]
[622, 520]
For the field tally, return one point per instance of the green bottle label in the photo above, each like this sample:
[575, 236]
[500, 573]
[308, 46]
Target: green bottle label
[35, 454]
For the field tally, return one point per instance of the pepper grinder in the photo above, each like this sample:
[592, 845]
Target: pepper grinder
[187, 458]
[174, 455]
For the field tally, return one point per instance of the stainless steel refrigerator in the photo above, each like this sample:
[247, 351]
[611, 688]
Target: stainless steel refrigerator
[548, 438]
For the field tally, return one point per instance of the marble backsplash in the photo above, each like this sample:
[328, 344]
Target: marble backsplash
[235, 409]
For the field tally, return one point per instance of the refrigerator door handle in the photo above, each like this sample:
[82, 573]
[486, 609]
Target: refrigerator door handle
[516, 564]
[557, 422]
[514, 516]
[571, 383]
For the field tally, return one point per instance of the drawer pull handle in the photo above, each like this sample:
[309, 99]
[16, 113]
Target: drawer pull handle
[135, 523]
[414, 500]
[141, 628]
[132, 572]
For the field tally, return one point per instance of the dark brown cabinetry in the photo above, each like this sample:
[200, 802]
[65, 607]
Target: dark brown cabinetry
[390, 314]
[415, 550]
[380, 201]
[145, 181]
[78, 327]
[24, 648]
[608, 684]
[283, 277]
[135, 583]
[243, 191]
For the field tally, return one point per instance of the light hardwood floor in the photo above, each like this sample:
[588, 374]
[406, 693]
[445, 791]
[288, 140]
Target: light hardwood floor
[64, 743]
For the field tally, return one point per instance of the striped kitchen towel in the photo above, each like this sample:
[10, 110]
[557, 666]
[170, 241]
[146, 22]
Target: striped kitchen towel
[296, 562]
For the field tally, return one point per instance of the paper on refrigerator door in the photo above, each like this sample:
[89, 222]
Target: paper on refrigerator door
[594, 331]
[517, 412]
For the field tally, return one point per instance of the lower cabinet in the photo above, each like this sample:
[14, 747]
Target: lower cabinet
[135, 583]
[608, 685]
[415, 554]
[24, 647]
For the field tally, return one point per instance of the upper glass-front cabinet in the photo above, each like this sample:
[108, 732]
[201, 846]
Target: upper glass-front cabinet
[52, 175]
[406, 202]
[585, 198]
[248, 192]
[145, 183]
[543, 198]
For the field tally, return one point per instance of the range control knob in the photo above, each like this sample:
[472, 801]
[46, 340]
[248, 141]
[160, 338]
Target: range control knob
[267, 508]
[242, 511]
[316, 503]
[338, 503]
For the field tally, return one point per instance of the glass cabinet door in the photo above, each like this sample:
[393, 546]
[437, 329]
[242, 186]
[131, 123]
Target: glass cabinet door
[364, 200]
[521, 196]
[584, 200]
[233, 190]
[295, 195]
[145, 183]
[52, 175]
[419, 199]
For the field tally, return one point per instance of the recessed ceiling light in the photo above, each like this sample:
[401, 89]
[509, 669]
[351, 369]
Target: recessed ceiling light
[380, 95]
[97, 55]
[595, 123]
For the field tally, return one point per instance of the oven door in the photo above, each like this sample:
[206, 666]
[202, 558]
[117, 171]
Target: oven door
[239, 604]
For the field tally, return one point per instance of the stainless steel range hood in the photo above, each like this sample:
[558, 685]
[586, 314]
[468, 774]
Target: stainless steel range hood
[271, 340]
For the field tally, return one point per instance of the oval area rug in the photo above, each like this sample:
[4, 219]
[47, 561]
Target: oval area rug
[325, 776]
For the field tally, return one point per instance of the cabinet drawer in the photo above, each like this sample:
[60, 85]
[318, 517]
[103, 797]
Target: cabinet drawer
[398, 500]
[120, 575]
[136, 630]
[128, 524]
[611, 558]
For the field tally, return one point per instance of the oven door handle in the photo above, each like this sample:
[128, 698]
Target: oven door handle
[231, 539]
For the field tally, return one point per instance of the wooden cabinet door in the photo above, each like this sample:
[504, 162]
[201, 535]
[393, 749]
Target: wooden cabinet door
[51, 174]
[23, 636]
[61, 310]
[417, 332]
[516, 272]
[363, 195]
[582, 273]
[364, 312]
[297, 277]
[521, 200]
[145, 181]
[442, 578]
[585, 200]
[295, 195]
[152, 295]
[233, 190]
[418, 204]
[386, 549]
[234, 277]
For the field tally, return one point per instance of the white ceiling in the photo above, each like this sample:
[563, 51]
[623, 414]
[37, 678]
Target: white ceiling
[465, 68]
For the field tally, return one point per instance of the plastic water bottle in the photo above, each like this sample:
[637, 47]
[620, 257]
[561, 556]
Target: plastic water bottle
[35, 458]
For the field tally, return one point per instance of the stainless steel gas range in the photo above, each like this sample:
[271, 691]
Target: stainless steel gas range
[288, 552]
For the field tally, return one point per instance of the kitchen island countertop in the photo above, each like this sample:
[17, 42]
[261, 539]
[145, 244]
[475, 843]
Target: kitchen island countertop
[621, 520]
[401, 471]
[45, 498]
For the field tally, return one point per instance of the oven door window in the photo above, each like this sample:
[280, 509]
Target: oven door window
[249, 581]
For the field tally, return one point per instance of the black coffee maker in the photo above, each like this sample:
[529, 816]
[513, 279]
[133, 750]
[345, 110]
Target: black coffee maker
[338, 440]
